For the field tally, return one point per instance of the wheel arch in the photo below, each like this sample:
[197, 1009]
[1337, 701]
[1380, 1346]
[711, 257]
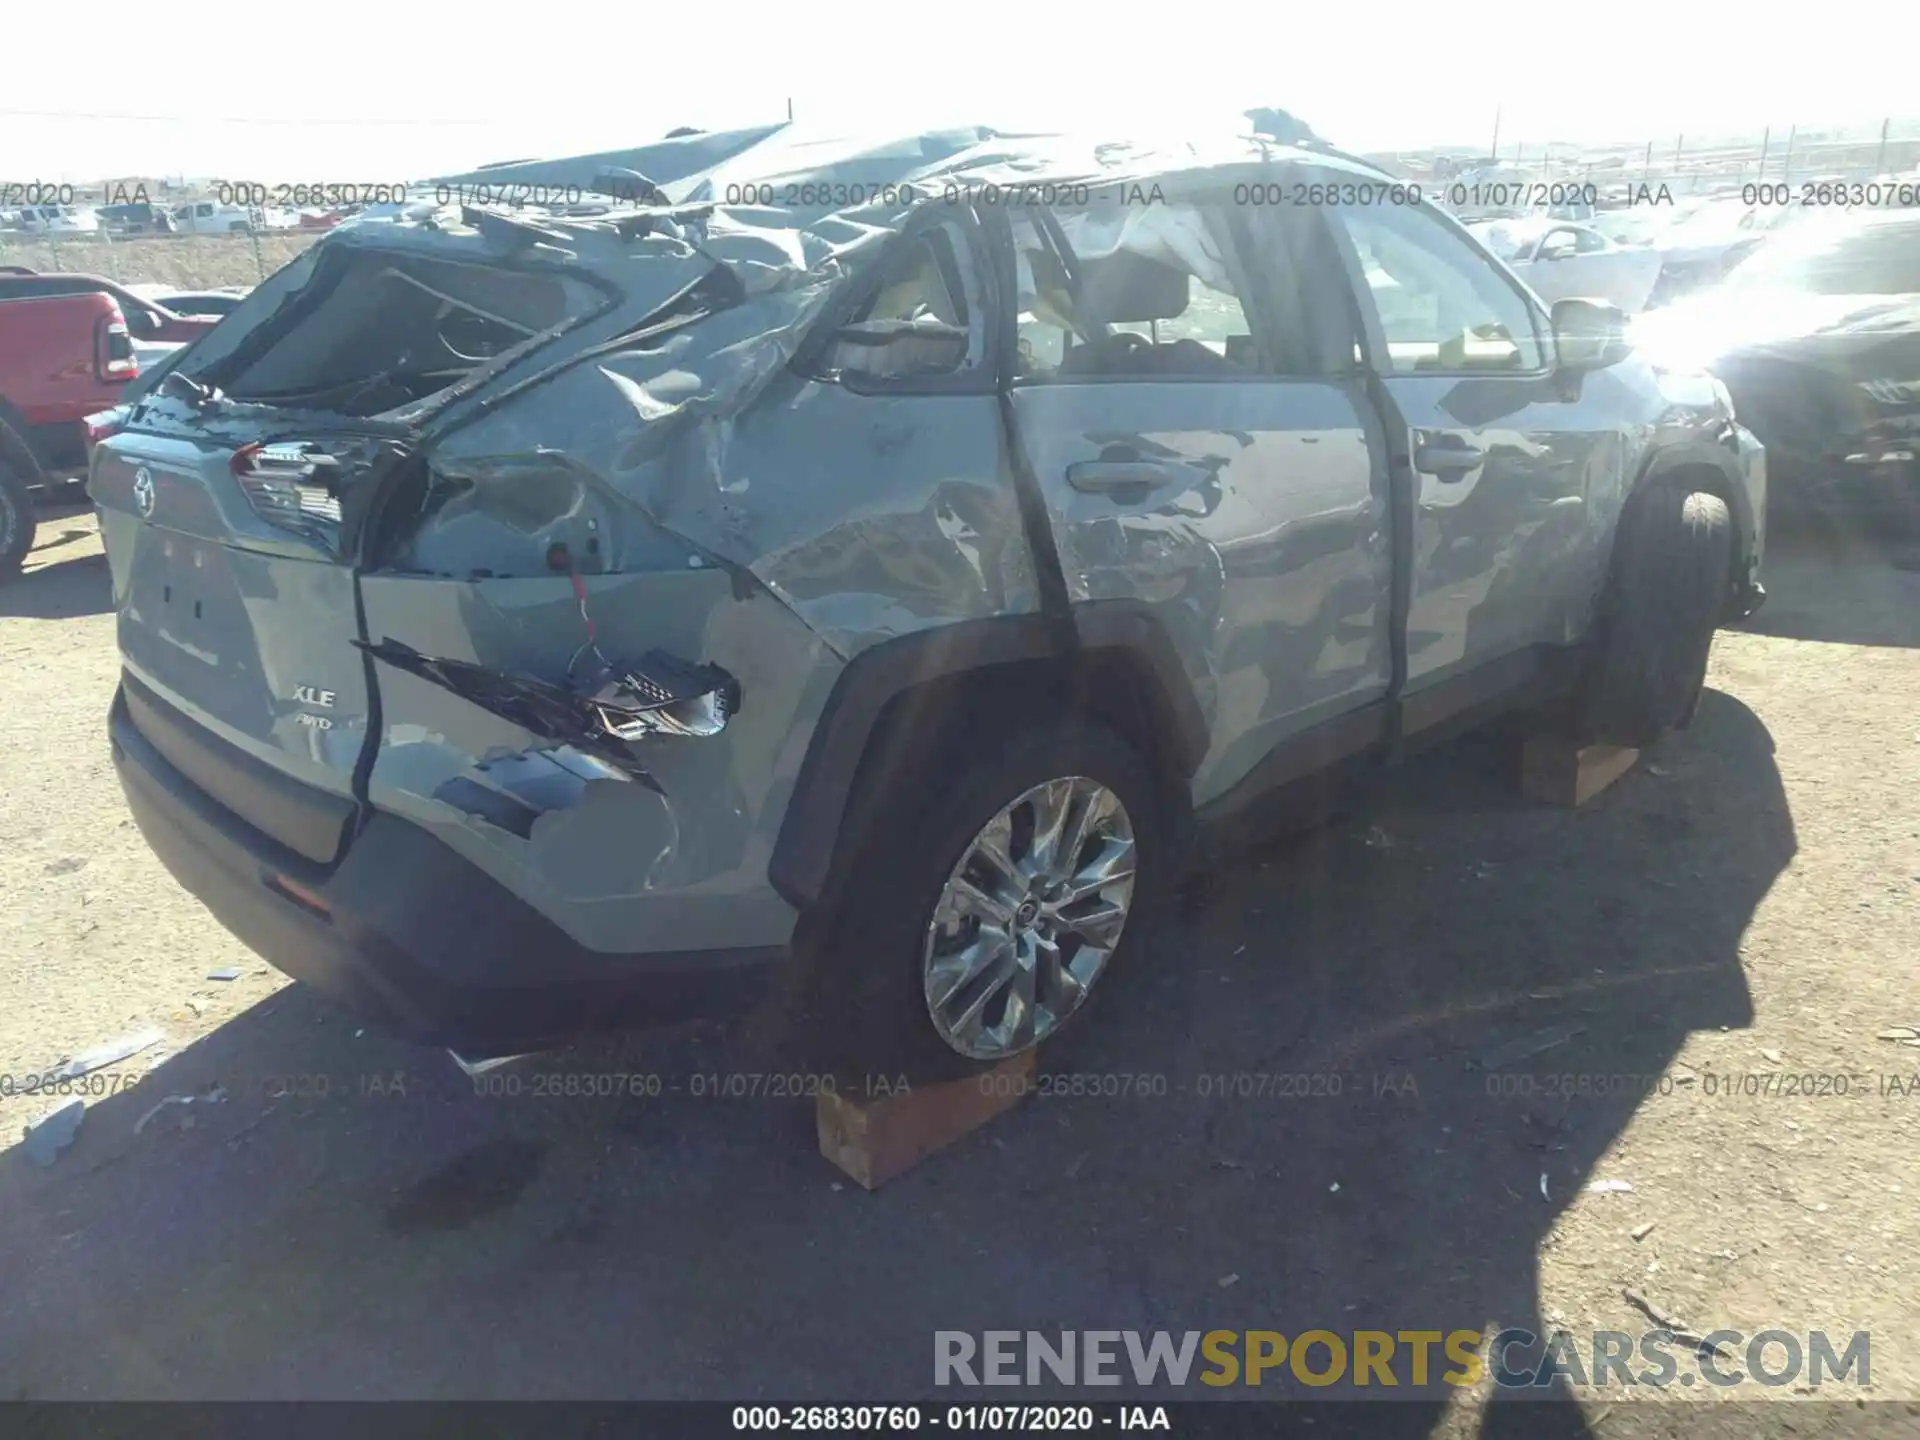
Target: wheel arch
[896, 703]
[1707, 467]
[16, 443]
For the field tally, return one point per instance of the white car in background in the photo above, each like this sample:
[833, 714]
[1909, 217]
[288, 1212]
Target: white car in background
[1635, 225]
[56, 220]
[1560, 260]
[210, 217]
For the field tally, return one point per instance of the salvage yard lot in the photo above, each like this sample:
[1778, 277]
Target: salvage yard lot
[344, 1217]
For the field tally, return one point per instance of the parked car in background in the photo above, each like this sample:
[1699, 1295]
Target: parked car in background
[1561, 260]
[1817, 336]
[412, 209]
[1702, 247]
[1034, 581]
[210, 217]
[57, 220]
[1634, 225]
[137, 218]
[62, 359]
[148, 321]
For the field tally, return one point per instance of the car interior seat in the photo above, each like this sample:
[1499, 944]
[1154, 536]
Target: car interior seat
[1126, 288]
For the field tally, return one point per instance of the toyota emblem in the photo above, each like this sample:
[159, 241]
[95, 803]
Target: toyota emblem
[143, 490]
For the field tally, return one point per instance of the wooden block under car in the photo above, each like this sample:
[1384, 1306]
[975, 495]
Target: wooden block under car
[875, 1140]
[1557, 771]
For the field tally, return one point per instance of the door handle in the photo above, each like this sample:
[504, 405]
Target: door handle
[1103, 477]
[1449, 460]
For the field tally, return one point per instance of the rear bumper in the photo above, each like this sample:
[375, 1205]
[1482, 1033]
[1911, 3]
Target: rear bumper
[410, 935]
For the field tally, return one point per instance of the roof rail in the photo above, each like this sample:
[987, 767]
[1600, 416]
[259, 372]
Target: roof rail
[1315, 143]
[1327, 147]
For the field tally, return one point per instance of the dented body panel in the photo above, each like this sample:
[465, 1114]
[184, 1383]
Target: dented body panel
[602, 857]
[1258, 536]
[640, 453]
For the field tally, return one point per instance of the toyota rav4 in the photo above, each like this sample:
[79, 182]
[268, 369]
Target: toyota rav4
[536, 626]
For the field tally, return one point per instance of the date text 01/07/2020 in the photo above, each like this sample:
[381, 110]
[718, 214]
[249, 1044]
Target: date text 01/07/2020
[957, 1419]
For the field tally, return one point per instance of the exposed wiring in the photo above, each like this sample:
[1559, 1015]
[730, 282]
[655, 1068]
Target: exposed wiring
[558, 555]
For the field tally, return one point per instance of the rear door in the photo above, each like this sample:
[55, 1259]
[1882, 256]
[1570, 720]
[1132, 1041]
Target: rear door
[1201, 460]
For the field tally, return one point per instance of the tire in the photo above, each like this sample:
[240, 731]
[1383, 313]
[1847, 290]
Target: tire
[1671, 560]
[16, 515]
[866, 1014]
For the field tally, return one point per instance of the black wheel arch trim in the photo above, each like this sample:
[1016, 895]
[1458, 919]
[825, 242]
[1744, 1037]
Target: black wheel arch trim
[1709, 455]
[810, 832]
[16, 445]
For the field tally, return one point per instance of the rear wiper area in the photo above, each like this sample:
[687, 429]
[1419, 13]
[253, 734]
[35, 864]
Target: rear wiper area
[196, 393]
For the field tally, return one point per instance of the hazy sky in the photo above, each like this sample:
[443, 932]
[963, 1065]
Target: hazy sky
[381, 90]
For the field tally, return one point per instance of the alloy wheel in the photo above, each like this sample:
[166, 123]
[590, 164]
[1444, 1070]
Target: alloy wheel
[1029, 918]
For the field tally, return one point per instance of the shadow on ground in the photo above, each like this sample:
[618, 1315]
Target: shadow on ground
[321, 1234]
[1832, 581]
[65, 576]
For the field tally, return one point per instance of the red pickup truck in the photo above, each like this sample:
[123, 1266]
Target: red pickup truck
[147, 320]
[62, 359]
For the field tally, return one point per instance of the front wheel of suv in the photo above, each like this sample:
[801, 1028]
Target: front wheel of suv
[980, 912]
[1668, 587]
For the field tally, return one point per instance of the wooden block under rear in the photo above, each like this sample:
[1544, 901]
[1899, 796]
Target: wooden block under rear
[874, 1140]
[1558, 772]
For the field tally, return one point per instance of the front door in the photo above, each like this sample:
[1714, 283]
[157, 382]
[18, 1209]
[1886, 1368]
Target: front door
[1505, 454]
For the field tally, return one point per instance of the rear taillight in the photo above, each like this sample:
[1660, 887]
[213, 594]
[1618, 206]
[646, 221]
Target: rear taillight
[113, 357]
[289, 483]
[104, 425]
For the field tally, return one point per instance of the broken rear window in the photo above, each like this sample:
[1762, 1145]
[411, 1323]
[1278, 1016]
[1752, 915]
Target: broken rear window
[381, 331]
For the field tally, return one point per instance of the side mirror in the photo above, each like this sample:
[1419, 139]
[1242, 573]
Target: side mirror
[1589, 334]
[144, 322]
[1558, 251]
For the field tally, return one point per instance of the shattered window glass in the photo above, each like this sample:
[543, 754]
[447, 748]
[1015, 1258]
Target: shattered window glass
[918, 322]
[389, 330]
[922, 290]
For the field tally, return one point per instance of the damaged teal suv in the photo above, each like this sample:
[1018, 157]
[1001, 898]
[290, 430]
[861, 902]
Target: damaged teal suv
[879, 578]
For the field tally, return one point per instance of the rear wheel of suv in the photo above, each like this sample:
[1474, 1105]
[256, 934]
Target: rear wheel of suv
[16, 515]
[978, 915]
[1672, 557]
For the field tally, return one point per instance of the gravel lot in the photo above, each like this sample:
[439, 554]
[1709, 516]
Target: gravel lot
[1748, 900]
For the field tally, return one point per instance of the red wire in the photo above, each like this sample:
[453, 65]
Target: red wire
[580, 594]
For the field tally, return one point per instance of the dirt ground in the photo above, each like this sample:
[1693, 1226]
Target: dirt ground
[188, 262]
[350, 1219]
